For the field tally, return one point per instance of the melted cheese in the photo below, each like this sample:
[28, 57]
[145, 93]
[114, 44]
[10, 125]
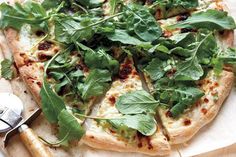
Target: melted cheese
[106, 108]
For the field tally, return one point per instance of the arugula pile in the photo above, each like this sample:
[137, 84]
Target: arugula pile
[86, 35]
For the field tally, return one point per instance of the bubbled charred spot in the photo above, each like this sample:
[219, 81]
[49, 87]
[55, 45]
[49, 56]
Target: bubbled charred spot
[182, 17]
[141, 139]
[112, 100]
[125, 70]
[46, 45]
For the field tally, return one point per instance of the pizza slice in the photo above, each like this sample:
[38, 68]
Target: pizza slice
[191, 92]
[124, 135]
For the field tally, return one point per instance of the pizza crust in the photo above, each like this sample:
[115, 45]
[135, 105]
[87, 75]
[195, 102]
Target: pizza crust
[14, 44]
[103, 138]
[203, 112]
[32, 75]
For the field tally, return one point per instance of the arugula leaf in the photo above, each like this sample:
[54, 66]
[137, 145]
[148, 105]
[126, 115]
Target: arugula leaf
[6, 69]
[113, 4]
[190, 69]
[227, 56]
[140, 21]
[52, 104]
[186, 97]
[69, 127]
[30, 13]
[92, 58]
[79, 28]
[156, 69]
[177, 96]
[136, 102]
[173, 7]
[123, 37]
[210, 19]
[91, 3]
[145, 124]
[49, 4]
[66, 30]
[95, 84]
[183, 39]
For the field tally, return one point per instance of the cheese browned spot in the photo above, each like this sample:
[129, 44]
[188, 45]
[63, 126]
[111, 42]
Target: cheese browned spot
[126, 69]
[46, 45]
[204, 111]
[187, 122]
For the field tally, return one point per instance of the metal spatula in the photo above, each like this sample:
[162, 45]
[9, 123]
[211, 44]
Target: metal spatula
[11, 122]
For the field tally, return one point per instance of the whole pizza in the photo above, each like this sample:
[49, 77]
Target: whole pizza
[123, 75]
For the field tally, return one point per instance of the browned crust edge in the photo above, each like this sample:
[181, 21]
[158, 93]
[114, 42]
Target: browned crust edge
[184, 134]
[103, 141]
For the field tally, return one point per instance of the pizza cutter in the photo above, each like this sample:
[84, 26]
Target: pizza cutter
[12, 122]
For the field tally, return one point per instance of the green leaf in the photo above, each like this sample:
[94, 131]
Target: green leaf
[186, 97]
[49, 4]
[142, 23]
[69, 127]
[29, 13]
[113, 5]
[191, 69]
[92, 58]
[52, 104]
[174, 7]
[95, 84]
[6, 69]
[183, 39]
[68, 30]
[210, 19]
[145, 124]
[228, 56]
[177, 96]
[90, 3]
[136, 102]
[123, 37]
[156, 69]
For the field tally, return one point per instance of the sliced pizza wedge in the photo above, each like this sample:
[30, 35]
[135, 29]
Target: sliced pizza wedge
[103, 135]
[216, 90]
[191, 92]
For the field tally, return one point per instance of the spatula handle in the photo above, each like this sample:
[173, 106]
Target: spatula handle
[33, 143]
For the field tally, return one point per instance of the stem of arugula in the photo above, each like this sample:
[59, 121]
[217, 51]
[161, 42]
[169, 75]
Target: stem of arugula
[56, 144]
[97, 118]
[103, 20]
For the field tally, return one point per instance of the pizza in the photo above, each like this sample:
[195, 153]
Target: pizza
[123, 75]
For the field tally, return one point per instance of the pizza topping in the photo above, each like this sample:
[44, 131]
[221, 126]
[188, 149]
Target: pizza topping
[125, 71]
[112, 99]
[84, 68]
[210, 19]
[206, 100]
[46, 45]
[167, 9]
[182, 17]
[204, 111]
[43, 57]
[40, 33]
[187, 122]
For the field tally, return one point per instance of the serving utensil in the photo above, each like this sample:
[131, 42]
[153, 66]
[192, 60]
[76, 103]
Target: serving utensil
[12, 122]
